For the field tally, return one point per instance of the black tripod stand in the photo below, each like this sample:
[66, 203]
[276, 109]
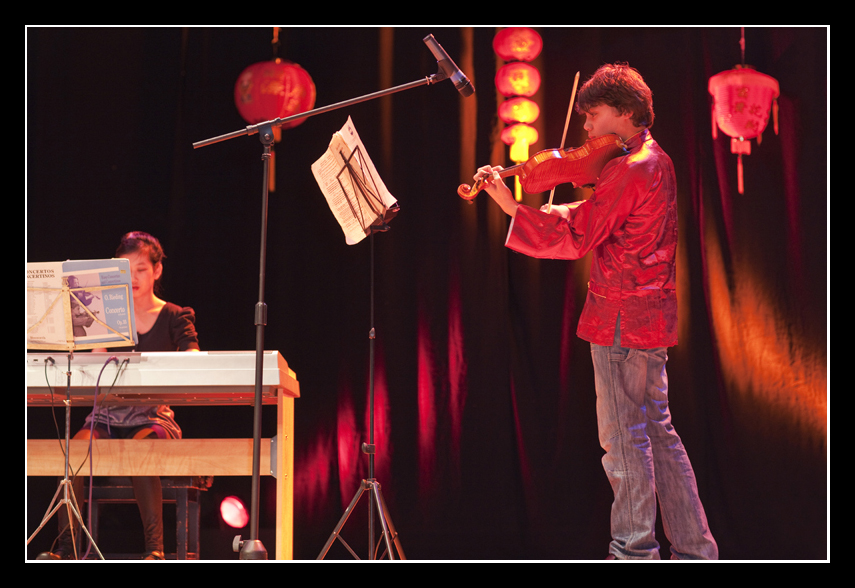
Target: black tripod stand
[370, 484]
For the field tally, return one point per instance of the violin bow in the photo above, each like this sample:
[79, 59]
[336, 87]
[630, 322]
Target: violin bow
[564, 136]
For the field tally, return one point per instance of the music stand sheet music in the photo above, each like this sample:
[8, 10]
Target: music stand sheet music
[80, 304]
[355, 193]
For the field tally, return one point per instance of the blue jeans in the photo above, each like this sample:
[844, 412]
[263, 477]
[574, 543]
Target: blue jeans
[645, 457]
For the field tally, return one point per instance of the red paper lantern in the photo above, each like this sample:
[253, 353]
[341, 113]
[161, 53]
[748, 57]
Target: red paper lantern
[517, 44]
[274, 89]
[517, 79]
[519, 133]
[742, 101]
[519, 109]
[519, 137]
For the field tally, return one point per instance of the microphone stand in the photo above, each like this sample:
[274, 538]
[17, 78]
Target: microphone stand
[253, 549]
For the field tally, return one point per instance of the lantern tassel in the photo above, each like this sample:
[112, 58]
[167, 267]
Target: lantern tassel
[714, 124]
[775, 114]
[739, 174]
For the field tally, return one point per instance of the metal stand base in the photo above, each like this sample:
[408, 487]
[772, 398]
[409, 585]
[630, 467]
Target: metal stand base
[389, 535]
[68, 500]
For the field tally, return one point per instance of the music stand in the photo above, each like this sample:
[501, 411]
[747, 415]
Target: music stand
[447, 69]
[367, 202]
[74, 309]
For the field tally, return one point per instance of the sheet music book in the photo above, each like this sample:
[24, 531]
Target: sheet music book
[80, 304]
[355, 193]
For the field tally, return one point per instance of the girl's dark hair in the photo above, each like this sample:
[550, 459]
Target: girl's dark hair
[138, 241]
[620, 86]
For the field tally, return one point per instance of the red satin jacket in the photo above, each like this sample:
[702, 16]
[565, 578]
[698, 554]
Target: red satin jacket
[630, 224]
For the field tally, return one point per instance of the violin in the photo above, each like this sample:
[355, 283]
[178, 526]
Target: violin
[545, 170]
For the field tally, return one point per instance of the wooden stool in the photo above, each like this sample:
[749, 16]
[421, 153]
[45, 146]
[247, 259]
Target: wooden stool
[183, 491]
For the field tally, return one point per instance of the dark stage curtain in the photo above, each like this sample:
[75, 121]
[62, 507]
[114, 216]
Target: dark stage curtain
[484, 410]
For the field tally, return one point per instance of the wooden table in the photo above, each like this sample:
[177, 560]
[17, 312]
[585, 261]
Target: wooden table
[175, 378]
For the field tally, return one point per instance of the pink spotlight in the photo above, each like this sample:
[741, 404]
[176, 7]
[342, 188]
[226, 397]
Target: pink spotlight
[234, 512]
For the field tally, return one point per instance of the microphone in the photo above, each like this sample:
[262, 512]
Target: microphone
[449, 68]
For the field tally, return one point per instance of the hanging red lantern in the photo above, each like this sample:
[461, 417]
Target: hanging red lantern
[742, 101]
[518, 79]
[517, 44]
[519, 109]
[274, 89]
[519, 137]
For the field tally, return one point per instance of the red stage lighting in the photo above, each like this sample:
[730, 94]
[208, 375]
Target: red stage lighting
[234, 512]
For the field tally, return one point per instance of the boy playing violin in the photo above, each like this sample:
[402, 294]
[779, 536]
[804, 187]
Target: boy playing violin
[630, 314]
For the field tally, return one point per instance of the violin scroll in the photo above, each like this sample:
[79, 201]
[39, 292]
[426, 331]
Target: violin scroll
[468, 192]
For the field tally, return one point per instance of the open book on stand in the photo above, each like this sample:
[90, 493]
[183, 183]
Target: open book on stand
[83, 304]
